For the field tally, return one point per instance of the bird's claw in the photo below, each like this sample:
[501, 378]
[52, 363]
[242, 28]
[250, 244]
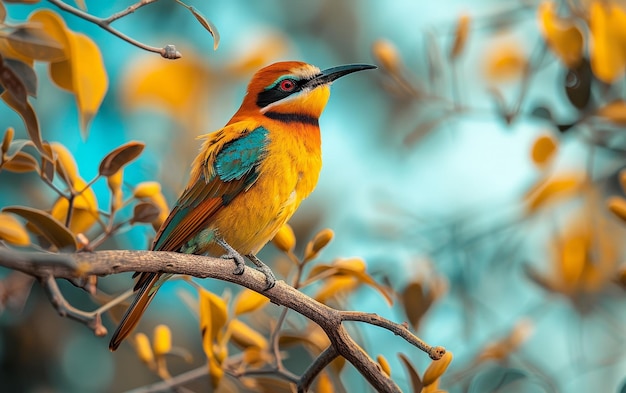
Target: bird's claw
[240, 264]
[270, 279]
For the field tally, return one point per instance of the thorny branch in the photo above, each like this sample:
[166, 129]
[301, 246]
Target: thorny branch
[168, 51]
[47, 267]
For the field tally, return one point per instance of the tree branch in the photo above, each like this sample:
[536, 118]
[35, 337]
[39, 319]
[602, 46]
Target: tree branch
[168, 51]
[102, 263]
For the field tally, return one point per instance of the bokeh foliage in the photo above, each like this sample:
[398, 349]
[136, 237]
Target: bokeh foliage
[519, 271]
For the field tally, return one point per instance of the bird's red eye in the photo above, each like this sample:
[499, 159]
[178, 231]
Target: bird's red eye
[287, 85]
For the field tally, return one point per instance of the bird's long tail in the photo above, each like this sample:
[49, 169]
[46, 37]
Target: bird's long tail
[145, 292]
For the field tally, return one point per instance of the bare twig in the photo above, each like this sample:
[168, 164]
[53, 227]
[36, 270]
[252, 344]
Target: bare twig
[401, 330]
[101, 263]
[316, 367]
[168, 51]
[92, 320]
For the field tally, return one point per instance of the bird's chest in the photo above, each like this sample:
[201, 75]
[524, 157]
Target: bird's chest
[290, 172]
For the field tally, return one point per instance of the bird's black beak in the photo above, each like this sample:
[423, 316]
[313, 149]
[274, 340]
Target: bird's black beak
[329, 75]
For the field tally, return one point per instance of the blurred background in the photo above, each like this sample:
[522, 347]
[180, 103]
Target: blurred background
[472, 173]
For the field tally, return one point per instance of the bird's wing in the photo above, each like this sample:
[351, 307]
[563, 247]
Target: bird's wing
[227, 166]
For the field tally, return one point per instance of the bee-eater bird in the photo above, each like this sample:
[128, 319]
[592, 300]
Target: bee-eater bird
[249, 177]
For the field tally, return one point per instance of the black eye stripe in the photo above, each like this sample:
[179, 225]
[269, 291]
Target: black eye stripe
[276, 93]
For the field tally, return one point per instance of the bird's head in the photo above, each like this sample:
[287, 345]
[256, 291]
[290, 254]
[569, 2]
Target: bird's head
[292, 88]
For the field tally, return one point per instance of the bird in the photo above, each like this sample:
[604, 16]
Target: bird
[248, 178]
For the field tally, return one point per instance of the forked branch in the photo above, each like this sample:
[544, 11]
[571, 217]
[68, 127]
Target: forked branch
[102, 263]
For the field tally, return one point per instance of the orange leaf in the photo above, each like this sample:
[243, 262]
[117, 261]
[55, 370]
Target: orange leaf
[12, 231]
[248, 301]
[384, 364]
[66, 164]
[562, 35]
[48, 227]
[386, 54]
[89, 78]
[543, 150]
[285, 240]
[213, 317]
[505, 61]
[607, 24]
[436, 369]
[245, 337]
[549, 188]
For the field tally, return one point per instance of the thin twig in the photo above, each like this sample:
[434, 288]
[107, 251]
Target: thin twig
[92, 320]
[179, 380]
[167, 52]
[316, 367]
[401, 330]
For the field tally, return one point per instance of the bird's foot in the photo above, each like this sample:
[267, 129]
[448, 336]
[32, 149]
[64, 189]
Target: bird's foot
[270, 279]
[231, 253]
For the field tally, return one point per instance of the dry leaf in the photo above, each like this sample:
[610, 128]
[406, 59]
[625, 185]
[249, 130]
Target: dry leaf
[119, 157]
[562, 35]
[48, 226]
[460, 36]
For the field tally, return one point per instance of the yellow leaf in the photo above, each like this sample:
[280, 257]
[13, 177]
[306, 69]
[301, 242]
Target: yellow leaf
[614, 112]
[82, 71]
[386, 54]
[213, 317]
[66, 165]
[256, 357]
[543, 150]
[573, 258]
[549, 188]
[336, 285]
[248, 301]
[12, 231]
[146, 189]
[504, 62]
[244, 336]
[460, 36]
[115, 185]
[321, 239]
[285, 240]
[85, 208]
[54, 26]
[89, 77]
[562, 35]
[143, 348]
[6, 140]
[384, 364]
[162, 340]
[436, 369]
[607, 24]
[174, 87]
